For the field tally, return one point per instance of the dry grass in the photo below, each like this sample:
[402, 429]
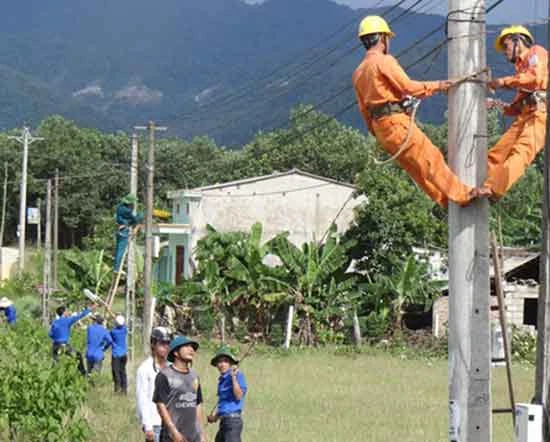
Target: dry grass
[317, 396]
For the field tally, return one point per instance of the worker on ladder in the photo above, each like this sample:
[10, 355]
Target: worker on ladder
[387, 98]
[518, 147]
[125, 220]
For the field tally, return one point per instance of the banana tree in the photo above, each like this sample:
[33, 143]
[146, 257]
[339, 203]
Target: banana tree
[314, 278]
[411, 284]
[81, 270]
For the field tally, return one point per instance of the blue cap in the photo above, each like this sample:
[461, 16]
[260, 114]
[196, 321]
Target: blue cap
[180, 341]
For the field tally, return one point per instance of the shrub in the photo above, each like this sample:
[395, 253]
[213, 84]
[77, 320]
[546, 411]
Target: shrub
[38, 400]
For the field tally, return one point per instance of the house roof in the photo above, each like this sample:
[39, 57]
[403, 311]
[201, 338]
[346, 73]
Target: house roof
[197, 190]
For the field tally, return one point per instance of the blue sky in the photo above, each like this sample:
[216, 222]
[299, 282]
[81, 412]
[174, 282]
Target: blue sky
[510, 11]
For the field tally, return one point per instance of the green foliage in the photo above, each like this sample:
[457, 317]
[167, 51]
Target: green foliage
[40, 401]
[410, 285]
[396, 217]
[524, 346]
[83, 269]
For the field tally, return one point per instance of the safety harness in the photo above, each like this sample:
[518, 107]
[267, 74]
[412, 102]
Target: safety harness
[409, 105]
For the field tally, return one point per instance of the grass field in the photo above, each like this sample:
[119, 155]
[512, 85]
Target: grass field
[319, 396]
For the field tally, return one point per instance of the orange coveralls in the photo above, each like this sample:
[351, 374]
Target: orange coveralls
[379, 79]
[519, 145]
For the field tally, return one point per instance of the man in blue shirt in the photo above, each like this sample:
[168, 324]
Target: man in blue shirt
[98, 340]
[119, 354]
[60, 332]
[231, 392]
[9, 310]
[125, 219]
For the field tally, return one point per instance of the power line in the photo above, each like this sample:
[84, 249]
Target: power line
[256, 100]
[296, 70]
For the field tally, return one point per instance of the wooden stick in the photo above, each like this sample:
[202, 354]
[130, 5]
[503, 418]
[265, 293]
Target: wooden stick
[503, 322]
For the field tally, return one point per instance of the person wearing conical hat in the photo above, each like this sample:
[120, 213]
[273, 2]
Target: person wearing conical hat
[125, 220]
[519, 145]
[232, 390]
[9, 310]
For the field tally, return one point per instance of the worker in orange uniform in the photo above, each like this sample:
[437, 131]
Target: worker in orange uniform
[519, 145]
[386, 96]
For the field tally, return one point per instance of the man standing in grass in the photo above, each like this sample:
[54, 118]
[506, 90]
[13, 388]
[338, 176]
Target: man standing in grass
[119, 335]
[60, 333]
[98, 340]
[178, 395]
[231, 391]
[145, 383]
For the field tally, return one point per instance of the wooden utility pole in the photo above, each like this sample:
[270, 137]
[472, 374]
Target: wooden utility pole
[542, 373]
[55, 229]
[26, 138]
[47, 275]
[148, 265]
[131, 277]
[469, 331]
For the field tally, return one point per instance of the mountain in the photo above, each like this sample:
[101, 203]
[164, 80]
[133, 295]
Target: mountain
[222, 68]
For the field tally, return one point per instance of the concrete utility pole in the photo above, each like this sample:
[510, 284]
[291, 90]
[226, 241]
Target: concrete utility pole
[47, 275]
[55, 228]
[131, 278]
[469, 332]
[26, 138]
[4, 202]
[39, 225]
[148, 265]
[542, 374]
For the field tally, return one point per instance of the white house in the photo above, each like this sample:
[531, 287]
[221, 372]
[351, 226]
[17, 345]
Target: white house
[301, 203]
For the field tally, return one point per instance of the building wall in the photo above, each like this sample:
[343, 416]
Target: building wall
[515, 296]
[302, 205]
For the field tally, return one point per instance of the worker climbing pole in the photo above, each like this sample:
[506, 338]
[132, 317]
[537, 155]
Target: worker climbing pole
[388, 100]
[127, 226]
[518, 147]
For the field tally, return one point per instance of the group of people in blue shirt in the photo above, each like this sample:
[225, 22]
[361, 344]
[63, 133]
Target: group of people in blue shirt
[98, 340]
[162, 380]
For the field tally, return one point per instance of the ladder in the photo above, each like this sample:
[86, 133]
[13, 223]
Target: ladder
[504, 327]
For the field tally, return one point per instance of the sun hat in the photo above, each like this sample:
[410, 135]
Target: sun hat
[180, 341]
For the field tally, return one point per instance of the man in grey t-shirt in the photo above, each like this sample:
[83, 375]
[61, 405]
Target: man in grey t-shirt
[178, 395]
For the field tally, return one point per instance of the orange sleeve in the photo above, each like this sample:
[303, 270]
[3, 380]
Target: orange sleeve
[532, 78]
[363, 109]
[396, 76]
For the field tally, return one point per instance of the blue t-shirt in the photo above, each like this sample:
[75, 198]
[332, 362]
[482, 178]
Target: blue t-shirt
[98, 340]
[227, 403]
[60, 331]
[10, 314]
[118, 335]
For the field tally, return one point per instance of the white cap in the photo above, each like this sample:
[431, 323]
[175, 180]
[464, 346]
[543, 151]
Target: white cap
[119, 319]
[5, 302]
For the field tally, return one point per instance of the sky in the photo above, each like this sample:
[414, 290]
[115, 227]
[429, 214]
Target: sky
[510, 11]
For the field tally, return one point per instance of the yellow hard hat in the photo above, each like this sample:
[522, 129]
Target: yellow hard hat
[511, 30]
[374, 24]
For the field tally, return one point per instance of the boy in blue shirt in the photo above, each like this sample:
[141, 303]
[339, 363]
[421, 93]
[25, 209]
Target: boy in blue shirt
[98, 340]
[231, 392]
[119, 333]
[9, 310]
[60, 331]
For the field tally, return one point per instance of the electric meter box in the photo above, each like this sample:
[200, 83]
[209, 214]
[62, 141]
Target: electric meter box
[528, 423]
